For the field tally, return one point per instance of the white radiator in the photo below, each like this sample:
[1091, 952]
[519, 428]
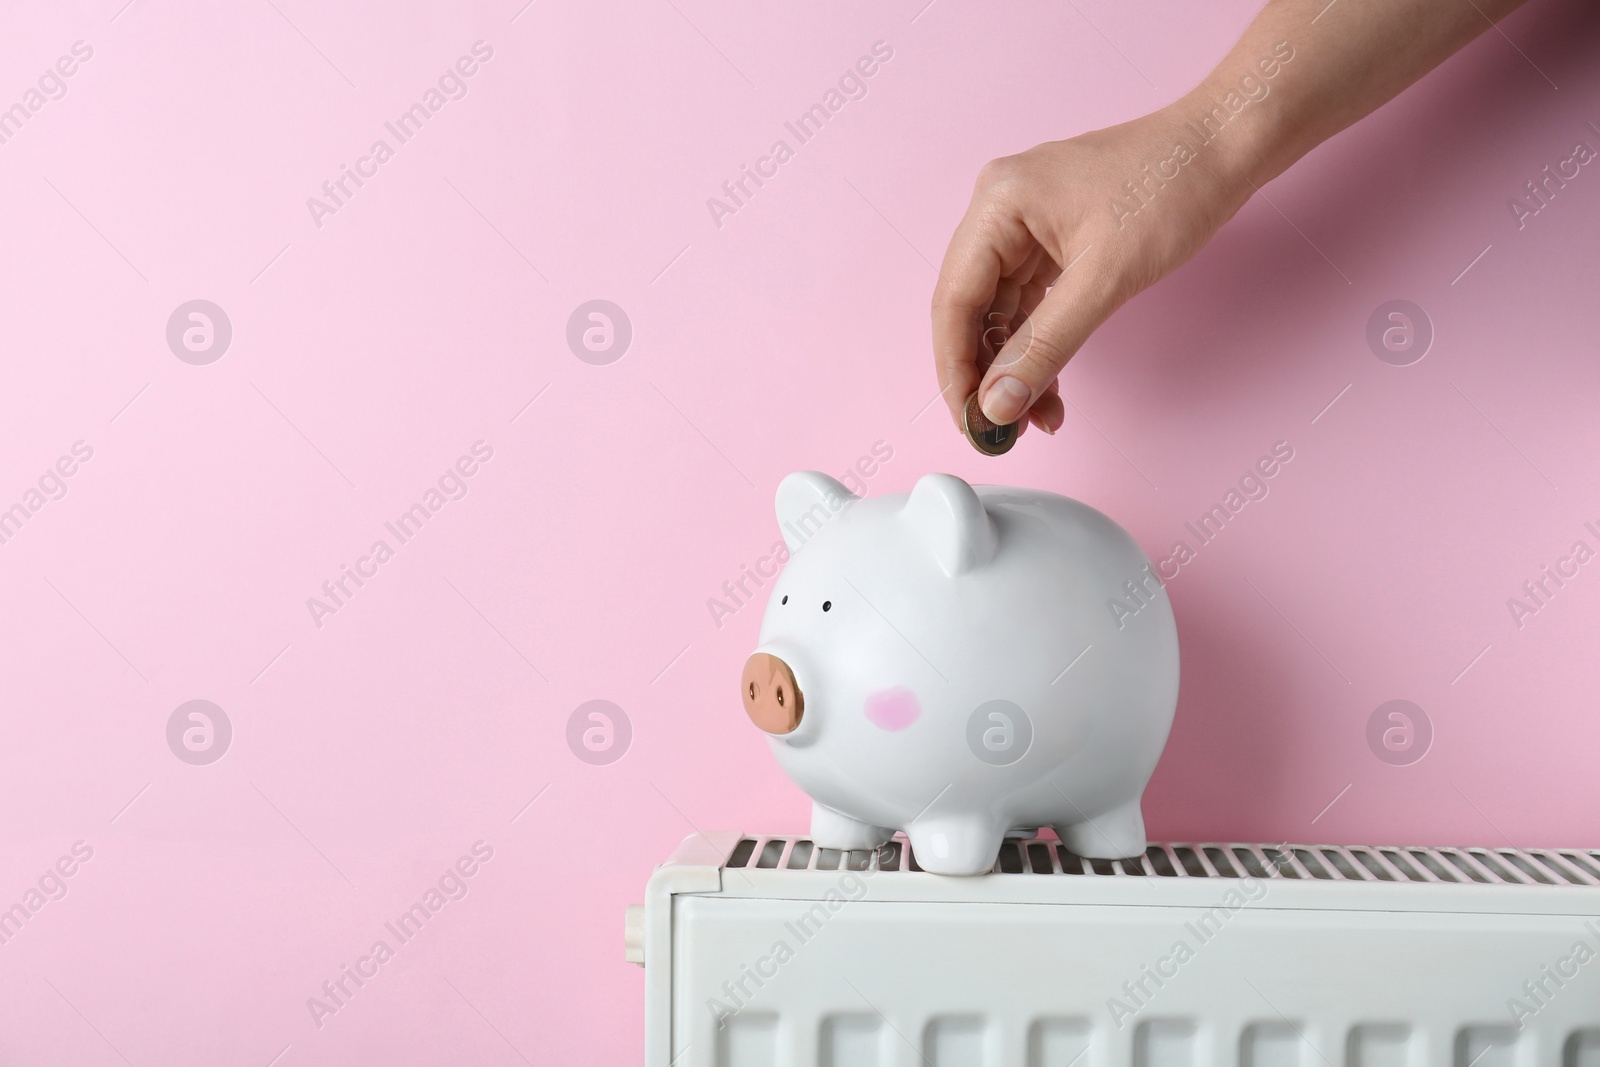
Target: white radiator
[768, 951]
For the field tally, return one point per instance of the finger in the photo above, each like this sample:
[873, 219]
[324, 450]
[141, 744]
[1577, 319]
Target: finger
[997, 320]
[987, 244]
[965, 289]
[1007, 311]
[1029, 298]
[1048, 412]
[1040, 347]
[1037, 266]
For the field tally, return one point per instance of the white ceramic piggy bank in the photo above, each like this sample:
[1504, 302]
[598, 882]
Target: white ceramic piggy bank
[960, 662]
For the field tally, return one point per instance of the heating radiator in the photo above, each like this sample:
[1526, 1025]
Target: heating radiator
[767, 950]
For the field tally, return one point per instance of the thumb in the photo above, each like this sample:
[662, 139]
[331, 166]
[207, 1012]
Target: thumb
[1032, 358]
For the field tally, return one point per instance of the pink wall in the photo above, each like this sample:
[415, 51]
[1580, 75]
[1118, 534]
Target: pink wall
[368, 353]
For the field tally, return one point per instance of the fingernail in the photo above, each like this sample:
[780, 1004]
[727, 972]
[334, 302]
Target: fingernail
[1043, 424]
[1006, 400]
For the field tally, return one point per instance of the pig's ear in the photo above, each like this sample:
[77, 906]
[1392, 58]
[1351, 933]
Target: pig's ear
[806, 501]
[948, 517]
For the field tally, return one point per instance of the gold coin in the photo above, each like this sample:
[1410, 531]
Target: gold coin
[986, 436]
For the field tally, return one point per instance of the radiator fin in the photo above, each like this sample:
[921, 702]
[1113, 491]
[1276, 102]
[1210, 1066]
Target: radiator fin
[1339, 863]
[1165, 1043]
[954, 1041]
[1054, 1042]
[1486, 1046]
[851, 1041]
[748, 1039]
[1379, 1045]
[1271, 1044]
[1582, 1049]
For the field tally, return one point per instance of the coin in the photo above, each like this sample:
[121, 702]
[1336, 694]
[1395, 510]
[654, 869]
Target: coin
[986, 436]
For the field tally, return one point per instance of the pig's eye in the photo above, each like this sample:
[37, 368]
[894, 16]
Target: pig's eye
[826, 605]
[785, 600]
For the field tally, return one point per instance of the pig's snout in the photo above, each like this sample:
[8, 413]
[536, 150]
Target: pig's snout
[771, 696]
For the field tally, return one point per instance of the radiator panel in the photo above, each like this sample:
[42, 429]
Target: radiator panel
[800, 966]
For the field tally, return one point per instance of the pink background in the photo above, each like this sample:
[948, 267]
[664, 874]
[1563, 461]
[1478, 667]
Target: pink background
[368, 354]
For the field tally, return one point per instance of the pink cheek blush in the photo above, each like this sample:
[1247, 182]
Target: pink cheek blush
[892, 709]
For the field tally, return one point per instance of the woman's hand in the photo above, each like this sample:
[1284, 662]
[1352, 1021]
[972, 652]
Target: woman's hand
[1059, 237]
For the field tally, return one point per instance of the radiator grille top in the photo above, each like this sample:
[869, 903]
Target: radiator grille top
[1345, 863]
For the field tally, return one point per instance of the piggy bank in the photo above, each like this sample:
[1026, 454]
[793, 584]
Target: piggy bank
[963, 663]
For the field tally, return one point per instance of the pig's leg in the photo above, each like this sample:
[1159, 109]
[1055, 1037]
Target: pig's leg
[829, 829]
[963, 844]
[1110, 835]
